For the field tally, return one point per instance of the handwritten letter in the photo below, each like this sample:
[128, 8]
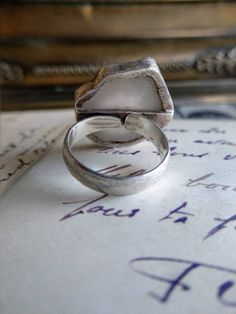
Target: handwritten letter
[25, 139]
[170, 249]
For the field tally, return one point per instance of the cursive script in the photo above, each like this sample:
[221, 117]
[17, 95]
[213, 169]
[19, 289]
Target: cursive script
[214, 142]
[201, 182]
[91, 208]
[175, 284]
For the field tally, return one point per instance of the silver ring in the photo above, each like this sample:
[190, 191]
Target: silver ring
[111, 184]
[125, 103]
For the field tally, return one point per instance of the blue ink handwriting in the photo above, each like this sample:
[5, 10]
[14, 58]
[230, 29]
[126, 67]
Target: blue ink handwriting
[220, 226]
[229, 157]
[213, 130]
[176, 130]
[87, 208]
[114, 151]
[174, 283]
[212, 186]
[173, 152]
[213, 142]
[178, 211]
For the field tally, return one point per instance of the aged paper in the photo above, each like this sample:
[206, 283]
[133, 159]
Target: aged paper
[25, 138]
[171, 249]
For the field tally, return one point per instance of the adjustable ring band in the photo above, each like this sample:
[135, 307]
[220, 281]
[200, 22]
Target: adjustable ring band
[108, 184]
[124, 101]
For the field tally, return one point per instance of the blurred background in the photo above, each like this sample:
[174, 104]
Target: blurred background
[48, 48]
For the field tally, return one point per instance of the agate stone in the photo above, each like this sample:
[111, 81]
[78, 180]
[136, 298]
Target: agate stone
[122, 88]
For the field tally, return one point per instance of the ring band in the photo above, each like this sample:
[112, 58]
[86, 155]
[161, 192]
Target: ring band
[125, 103]
[114, 185]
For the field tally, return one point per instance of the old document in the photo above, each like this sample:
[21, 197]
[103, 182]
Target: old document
[170, 249]
[25, 138]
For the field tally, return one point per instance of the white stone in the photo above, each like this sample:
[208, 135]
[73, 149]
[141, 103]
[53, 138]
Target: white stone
[137, 94]
[133, 86]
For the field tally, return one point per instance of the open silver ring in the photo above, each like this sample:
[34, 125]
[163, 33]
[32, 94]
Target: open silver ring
[104, 117]
[112, 184]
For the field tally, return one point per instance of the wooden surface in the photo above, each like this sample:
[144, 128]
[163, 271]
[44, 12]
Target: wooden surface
[41, 40]
[120, 21]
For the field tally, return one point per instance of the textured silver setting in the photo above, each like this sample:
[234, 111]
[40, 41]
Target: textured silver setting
[127, 71]
[105, 117]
